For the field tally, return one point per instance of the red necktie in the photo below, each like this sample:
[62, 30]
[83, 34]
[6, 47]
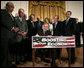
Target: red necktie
[44, 33]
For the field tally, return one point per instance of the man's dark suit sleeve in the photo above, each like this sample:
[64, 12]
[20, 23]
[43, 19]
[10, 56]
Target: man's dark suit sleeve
[74, 26]
[49, 33]
[81, 27]
[5, 23]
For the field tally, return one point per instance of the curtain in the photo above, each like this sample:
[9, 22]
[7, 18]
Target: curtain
[47, 9]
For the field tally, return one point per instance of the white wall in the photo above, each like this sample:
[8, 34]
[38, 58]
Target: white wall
[17, 4]
[76, 7]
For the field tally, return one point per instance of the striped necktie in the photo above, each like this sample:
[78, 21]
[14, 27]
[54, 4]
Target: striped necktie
[12, 17]
[32, 23]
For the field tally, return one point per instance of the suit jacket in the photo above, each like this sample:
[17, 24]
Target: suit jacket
[78, 28]
[31, 30]
[69, 29]
[58, 30]
[22, 25]
[7, 36]
[37, 24]
[7, 23]
[41, 33]
[81, 27]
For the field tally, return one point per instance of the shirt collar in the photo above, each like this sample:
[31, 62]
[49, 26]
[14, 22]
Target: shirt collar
[20, 18]
[68, 18]
[31, 21]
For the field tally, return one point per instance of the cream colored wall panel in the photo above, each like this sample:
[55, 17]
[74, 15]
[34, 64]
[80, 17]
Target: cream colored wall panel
[17, 6]
[76, 7]
[3, 3]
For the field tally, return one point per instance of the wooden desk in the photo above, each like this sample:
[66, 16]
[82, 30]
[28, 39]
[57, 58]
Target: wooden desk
[69, 56]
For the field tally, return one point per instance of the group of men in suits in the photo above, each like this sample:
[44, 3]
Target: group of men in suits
[65, 28]
[17, 32]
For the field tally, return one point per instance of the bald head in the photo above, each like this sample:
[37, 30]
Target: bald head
[9, 7]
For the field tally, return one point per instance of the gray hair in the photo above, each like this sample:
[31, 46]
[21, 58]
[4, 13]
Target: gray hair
[20, 9]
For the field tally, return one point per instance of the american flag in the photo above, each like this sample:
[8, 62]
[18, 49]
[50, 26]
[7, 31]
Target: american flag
[64, 42]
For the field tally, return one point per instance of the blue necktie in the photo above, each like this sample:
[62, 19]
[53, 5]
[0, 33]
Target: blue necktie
[55, 25]
[39, 24]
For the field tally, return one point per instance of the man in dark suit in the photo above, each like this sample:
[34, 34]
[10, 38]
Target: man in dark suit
[21, 36]
[69, 29]
[57, 27]
[31, 26]
[31, 32]
[81, 29]
[39, 23]
[7, 33]
[77, 33]
[43, 53]
[44, 31]
[57, 31]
